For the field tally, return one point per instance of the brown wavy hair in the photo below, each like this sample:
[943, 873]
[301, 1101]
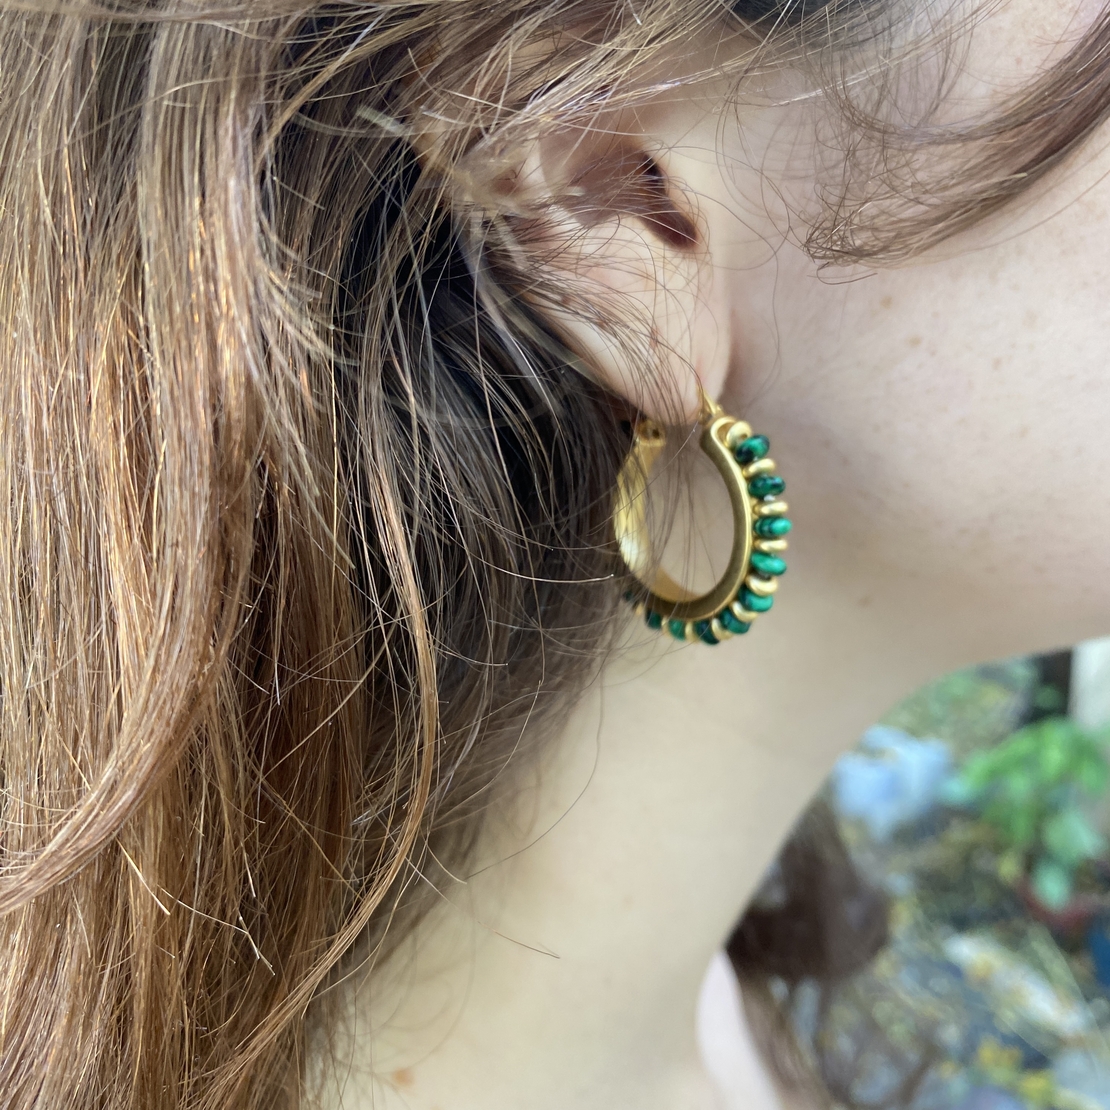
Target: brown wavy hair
[308, 505]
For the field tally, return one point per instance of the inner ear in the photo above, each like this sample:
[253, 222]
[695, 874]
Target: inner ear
[613, 178]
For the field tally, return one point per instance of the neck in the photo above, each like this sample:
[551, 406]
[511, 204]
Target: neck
[565, 970]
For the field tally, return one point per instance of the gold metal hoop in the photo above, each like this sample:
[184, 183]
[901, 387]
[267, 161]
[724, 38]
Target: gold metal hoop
[750, 580]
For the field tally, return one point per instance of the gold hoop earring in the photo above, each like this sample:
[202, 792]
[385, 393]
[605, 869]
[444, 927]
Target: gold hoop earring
[748, 585]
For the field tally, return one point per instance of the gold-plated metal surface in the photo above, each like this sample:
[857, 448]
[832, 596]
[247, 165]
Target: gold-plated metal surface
[721, 612]
[737, 432]
[665, 596]
[763, 587]
[760, 466]
[742, 614]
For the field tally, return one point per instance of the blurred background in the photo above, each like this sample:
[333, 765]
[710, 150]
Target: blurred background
[941, 917]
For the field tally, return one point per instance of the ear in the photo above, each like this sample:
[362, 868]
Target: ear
[628, 232]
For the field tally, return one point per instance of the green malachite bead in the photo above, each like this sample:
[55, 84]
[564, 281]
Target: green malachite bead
[704, 632]
[754, 602]
[677, 629]
[768, 565]
[654, 620]
[750, 449]
[733, 623]
[766, 485]
[772, 527]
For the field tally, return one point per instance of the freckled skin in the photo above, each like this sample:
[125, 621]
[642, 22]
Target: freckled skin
[934, 401]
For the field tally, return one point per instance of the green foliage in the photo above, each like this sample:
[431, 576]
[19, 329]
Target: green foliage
[968, 709]
[1030, 789]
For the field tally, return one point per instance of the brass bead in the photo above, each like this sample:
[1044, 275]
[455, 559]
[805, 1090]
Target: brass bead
[742, 614]
[770, 547]
[764, 587]
[719, 630]
[737, 433]
[760, 466]
[770, 508]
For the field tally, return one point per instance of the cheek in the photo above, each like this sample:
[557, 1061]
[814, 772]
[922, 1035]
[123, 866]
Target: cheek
[954, 414]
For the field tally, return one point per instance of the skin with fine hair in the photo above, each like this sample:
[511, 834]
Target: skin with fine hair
[331, 768]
